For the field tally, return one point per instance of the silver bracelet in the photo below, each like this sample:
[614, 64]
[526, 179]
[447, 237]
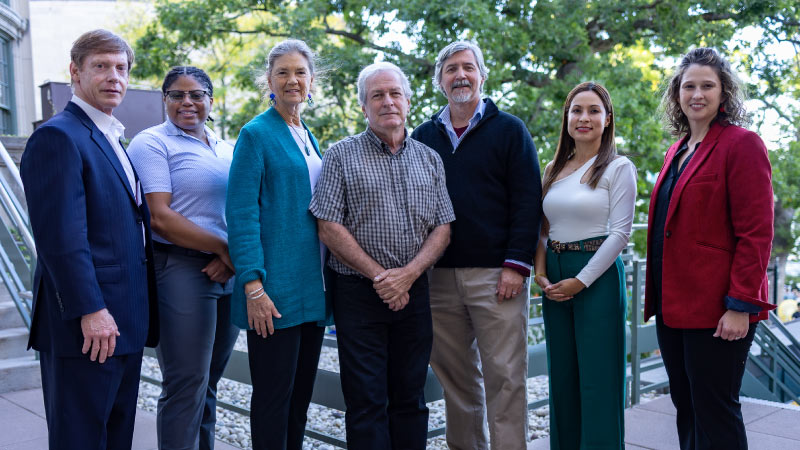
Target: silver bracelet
[262, 294]
[255, 291]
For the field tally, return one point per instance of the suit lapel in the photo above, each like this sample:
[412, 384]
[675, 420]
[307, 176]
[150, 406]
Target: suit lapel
[100, 139]
[700, 155]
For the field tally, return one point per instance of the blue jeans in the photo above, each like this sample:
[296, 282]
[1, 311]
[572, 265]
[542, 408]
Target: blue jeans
[383, 358]
[197, 338]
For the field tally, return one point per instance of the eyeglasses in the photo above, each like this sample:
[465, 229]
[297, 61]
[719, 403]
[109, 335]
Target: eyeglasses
[195, 96]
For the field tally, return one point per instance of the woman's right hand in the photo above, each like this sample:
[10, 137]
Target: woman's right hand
[260, 310]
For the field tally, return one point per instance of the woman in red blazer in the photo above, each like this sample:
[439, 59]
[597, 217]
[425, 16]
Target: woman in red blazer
[708, 246]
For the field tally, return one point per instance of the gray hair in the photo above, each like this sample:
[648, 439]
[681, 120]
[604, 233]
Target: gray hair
[452, 49]
[374, 69]
[281, 49]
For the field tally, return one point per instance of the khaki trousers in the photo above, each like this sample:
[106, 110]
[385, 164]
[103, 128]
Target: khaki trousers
[476, 340]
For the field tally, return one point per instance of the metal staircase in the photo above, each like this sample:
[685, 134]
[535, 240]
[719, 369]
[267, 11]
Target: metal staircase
[773, 365]
[19, 368]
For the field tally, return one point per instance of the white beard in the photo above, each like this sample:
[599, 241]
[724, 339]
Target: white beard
[462, 98]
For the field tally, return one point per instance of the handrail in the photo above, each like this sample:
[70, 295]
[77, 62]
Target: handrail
[10, 164]
[12, 207]
[19, 224]
[776, 321]
[17, 259]
[783, 362]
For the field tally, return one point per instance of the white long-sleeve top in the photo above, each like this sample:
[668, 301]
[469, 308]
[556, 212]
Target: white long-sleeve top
[575, 212]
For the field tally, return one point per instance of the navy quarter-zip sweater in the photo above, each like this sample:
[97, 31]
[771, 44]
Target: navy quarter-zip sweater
[495, 185]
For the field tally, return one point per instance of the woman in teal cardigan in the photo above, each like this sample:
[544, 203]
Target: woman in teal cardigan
[279, 295]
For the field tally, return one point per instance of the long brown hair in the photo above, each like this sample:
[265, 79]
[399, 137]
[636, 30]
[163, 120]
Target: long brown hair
[566, 144]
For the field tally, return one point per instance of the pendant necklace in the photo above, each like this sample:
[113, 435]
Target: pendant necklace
[304, 139]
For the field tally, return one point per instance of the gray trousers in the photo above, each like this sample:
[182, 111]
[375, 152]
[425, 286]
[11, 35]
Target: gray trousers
[197, 338]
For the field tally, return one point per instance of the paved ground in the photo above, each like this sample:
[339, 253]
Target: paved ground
[24, 427]
[770, 426]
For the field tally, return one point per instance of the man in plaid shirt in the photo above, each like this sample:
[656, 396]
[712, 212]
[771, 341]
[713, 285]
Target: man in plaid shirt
[383, 210]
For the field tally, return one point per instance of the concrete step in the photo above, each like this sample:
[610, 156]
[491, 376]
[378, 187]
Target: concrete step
[13, 342]
[9, 316]
[4, 295]
[20, 373]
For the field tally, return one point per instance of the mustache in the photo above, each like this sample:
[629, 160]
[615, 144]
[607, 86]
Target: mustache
[461, 83]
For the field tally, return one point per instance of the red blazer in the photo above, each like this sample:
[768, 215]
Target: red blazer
[718, 232]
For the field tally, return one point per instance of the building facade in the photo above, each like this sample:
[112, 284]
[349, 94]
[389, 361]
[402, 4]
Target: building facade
[17, 107]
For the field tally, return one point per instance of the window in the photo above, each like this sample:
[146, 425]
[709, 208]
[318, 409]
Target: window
[6, 88]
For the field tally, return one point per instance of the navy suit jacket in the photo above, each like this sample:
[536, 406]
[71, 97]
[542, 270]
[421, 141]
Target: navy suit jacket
[88, 233]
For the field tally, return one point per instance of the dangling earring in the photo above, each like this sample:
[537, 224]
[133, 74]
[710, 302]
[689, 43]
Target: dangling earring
[272, 99]
[722, 108]
[310, 101]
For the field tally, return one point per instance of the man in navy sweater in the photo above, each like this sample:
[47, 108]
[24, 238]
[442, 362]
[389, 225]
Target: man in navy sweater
[479, 288]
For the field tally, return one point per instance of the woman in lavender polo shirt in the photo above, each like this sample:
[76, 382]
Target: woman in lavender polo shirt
[183, 168]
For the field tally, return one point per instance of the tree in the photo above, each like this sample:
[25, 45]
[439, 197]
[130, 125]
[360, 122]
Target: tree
[536, 52]
[774, 59]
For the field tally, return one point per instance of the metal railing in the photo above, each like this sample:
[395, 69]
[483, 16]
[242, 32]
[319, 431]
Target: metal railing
[17, 248]
[773, 365]
[327, 386]
[773, 371]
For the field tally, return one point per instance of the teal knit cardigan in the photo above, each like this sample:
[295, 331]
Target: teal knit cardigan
[271, 234]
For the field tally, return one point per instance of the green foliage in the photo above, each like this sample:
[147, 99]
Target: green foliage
[536, 52]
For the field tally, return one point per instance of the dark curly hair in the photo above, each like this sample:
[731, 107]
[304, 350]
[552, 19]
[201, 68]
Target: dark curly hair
[189, 71]
[733, 96]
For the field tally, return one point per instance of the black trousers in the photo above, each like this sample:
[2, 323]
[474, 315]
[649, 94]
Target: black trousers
[383, 357]
[282, 367]
[705, 375]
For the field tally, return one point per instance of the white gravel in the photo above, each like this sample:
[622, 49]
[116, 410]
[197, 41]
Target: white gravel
[234, 428]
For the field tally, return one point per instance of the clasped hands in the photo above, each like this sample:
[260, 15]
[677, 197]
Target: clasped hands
[392, 286]
[561, 291]
[219, 269]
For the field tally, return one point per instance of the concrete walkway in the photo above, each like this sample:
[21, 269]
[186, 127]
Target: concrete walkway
[770, 426]
[24, 428]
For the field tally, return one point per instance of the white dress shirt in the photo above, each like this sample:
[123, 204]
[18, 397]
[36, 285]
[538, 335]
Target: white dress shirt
[113, 130]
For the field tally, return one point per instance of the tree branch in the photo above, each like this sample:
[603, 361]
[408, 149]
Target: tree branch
[265, 32]
[357, 38]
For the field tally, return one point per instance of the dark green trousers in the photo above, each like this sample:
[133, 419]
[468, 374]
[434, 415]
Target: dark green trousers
[586, 357]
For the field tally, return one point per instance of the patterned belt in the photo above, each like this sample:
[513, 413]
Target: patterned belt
[590, 245]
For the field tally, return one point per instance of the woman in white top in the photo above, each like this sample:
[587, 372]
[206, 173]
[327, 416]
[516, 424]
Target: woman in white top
[589, 194]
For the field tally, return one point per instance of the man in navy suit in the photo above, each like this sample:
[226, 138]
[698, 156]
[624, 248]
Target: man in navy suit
[94, 292]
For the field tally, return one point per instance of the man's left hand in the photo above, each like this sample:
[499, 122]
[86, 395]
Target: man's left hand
[393, 283]
[509, 285]
[99, 335]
